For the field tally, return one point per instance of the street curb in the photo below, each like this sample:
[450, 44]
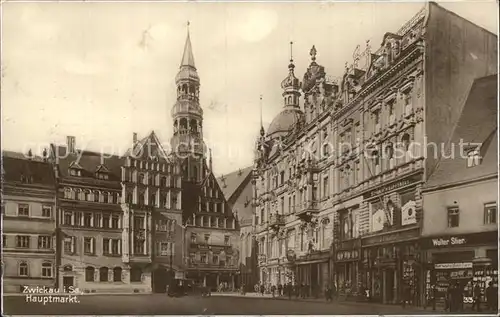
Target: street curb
[347, 302]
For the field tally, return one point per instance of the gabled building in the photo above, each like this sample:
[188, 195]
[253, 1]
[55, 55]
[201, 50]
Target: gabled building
[152, 216]
[460, 199]
[28, 223]
[337, 176]
[238, 190]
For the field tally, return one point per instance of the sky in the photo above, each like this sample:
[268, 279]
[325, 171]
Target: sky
[102, 71]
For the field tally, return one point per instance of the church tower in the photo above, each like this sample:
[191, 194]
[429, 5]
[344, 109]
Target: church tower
[187, 141]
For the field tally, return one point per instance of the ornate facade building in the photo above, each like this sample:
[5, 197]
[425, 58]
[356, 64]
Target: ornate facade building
[339, 180]
[28, 224]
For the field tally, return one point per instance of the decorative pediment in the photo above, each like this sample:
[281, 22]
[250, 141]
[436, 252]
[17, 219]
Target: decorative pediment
[313, 73]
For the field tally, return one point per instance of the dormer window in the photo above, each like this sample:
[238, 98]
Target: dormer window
[101, 175]
[75, 172]
[473, 157]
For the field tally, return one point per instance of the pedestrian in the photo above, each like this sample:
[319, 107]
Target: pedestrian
[328, 293]
[490, 296]
[297, 290]
[273, 290]
[303, 290]
[476, 297]
[405, 296]
[433, 296]
[334, 290]
[280, 290]
[447, 297]
[262, 289]
[289, 290]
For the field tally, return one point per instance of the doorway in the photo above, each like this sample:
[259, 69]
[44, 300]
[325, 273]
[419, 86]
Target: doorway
[68, 283]
[389, 286]
[160, 280]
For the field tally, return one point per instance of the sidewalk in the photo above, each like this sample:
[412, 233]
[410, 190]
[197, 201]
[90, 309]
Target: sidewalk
[318, 300]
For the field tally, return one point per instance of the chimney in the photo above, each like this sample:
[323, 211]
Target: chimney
[134, 138]
[70, 140]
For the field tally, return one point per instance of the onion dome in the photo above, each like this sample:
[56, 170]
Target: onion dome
[291, 114]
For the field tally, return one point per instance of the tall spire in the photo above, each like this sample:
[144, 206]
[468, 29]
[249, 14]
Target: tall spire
[187, 57]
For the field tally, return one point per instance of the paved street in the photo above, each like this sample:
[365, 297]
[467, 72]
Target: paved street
[160, 304]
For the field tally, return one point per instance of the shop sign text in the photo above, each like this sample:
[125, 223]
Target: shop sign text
[440, 242]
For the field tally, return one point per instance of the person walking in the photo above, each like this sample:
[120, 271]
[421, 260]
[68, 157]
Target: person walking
[280, 290]
[273, 290]
[262, 289]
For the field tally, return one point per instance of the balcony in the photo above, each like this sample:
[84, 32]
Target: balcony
[307, 210]
[276, 221]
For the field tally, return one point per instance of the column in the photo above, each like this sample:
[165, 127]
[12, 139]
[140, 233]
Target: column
[218, 279]
[384, 286]
[232, 281]
[204, 280]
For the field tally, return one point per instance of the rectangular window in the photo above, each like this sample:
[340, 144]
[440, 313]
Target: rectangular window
[23, 210]
[97, 220]
[207, 238]
[105, 220]
[138, 222]
[164, 248]
[87, 220]
[78, 218]
[203, 258]
[193, 238]
[453, 217]
[326, 191]
[138, 246]
[115, 220]
[69, 245]
[46, 211]
[282, 205]
[67, 218]
[115, 247]
[88, 246]
[215, 259]
[490, 213]
[44, 242]
[4, 241]
[46, 270]
[226, 240]
[105, 246]
[22, 241]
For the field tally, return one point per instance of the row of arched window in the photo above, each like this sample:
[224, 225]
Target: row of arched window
[88, 195]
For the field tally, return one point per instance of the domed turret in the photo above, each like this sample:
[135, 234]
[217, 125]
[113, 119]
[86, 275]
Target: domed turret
[291, 114]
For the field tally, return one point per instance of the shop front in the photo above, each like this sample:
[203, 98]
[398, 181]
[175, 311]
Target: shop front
[313, 270]
[392, 267]
[347, 279]
[463, 259]
[391, 263]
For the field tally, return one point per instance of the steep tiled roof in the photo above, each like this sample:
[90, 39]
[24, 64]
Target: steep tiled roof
[17, 170]
[477, 124]
[231, 182]
[238, 184]
[89, 162]
[148, 146]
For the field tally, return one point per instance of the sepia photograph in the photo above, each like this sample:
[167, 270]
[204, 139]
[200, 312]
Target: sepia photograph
[249, 158]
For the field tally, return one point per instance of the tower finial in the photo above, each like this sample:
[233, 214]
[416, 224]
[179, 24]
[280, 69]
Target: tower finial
[261, 124]
[313, 53]
[291, 52]
[187, 56]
